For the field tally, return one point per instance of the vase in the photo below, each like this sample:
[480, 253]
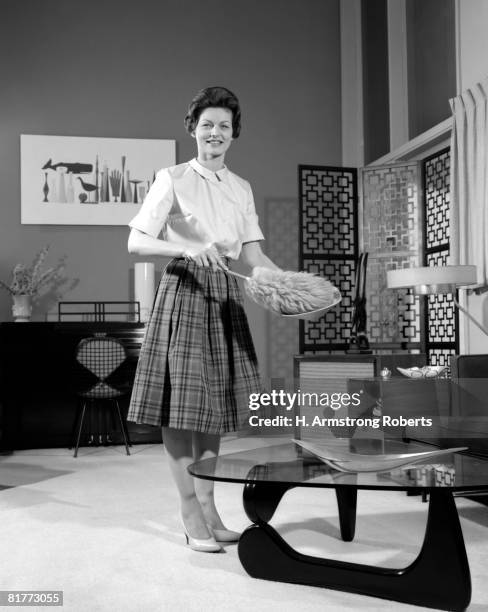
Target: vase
[45, 189]
[61, 184]
[128, 190]
[22, 308]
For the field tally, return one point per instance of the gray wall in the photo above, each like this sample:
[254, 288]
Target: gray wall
[128, 69]
[376, 103]
[431, 62]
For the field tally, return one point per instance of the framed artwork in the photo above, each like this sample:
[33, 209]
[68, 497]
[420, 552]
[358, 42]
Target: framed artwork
[69, 180]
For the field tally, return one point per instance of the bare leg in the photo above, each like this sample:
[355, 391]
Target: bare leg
[179, 450]
[206, 446]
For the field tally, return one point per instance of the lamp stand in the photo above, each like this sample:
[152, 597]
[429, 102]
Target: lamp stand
[470, 317]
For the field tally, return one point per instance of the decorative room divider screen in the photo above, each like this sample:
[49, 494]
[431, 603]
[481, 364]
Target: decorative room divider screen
[401, 219]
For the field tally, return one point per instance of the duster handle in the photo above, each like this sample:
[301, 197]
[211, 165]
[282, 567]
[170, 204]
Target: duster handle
[237, 274]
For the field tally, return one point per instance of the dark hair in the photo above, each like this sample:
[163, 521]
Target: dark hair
[214, 97]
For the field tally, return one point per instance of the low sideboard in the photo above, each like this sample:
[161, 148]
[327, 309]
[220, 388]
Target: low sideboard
[37, 401]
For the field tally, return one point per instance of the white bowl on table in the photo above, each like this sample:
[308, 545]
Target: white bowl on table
[424, 372]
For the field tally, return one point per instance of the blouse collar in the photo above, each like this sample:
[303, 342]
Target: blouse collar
[214, 177]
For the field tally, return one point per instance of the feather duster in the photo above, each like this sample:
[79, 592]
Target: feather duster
[290, 293]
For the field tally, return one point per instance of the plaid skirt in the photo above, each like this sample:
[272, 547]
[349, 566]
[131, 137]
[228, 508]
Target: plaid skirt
[197, 364]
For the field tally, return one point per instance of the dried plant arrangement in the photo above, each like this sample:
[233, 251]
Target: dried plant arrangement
[32, 280]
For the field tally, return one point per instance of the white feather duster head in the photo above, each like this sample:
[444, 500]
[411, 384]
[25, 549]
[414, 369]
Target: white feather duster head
[291, 293]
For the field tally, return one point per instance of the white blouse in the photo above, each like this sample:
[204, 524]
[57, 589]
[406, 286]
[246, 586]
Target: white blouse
[196, 207]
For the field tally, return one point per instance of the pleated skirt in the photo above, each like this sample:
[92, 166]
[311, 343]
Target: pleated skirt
[197, 364]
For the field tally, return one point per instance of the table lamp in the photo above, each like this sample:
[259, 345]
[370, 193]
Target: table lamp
[431, 280]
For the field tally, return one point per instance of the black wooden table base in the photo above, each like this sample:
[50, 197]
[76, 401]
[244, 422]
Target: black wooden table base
[438, 578]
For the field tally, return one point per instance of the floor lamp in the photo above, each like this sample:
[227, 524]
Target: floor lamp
[431, 280]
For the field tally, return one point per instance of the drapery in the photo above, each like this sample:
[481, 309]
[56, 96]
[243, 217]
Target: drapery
[469, 180]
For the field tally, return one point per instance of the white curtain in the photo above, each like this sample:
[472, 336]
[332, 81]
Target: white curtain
[469, 180]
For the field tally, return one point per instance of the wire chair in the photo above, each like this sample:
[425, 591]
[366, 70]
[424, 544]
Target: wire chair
[101, 380]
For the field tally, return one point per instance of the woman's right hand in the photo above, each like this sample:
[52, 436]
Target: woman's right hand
[207, 257]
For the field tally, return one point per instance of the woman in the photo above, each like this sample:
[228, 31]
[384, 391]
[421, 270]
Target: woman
[198, 365]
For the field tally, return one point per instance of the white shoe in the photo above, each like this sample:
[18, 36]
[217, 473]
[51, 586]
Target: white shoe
[203, 545]
[224, 535]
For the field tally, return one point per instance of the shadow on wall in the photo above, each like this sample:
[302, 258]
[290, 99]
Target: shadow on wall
[57, 291]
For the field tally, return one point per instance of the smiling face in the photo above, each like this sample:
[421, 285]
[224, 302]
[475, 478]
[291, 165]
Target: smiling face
[213, 133]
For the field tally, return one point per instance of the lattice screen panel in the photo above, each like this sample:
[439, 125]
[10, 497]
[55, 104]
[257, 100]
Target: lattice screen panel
[331, 331]
[328, 246]
[441, 317]
[328, 211]
[436, 194]
[441, 311]
[391, 233]
[440, 357]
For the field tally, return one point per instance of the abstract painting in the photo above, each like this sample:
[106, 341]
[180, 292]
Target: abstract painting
[88, 181]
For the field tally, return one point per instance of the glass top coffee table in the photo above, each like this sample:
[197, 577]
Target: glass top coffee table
[438, 578]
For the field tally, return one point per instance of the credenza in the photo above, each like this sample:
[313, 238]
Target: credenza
[458, 406]
[322, 375]
[37, 365]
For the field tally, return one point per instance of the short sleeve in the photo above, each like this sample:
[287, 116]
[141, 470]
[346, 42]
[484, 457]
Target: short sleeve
[156, 206]
[252, 231]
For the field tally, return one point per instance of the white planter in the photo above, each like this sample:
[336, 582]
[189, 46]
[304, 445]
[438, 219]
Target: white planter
[22, 308]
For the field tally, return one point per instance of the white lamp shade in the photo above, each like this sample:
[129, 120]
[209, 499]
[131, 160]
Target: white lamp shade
[431, 279]
[144, 287]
